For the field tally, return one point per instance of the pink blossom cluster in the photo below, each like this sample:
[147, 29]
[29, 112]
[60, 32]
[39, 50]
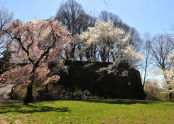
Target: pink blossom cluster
[35, 44]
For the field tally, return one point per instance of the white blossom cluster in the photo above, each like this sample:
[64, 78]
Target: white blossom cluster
[169, 76]
[117, 41]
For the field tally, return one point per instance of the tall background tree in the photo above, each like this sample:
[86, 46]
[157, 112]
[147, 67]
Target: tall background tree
[72, 15]
[5, 18]
[146, 51]
[112, 43]
[5, 54]
[162, 46]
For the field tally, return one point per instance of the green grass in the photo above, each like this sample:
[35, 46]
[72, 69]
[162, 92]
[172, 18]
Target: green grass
[89, 112]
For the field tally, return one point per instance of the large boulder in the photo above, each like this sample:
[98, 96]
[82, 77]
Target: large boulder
[94, 77]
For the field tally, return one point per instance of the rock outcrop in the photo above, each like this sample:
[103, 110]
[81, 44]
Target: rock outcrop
[85, 76]
[94, 78]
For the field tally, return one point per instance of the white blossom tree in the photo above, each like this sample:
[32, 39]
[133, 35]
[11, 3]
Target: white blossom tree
[169, 78]
[162, 47]
[112, 44]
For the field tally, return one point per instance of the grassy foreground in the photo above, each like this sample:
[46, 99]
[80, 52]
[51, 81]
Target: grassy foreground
[89, 112]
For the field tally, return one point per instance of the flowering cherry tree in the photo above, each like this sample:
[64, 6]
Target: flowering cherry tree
[35, 43]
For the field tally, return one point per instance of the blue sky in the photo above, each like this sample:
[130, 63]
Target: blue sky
[154, 16]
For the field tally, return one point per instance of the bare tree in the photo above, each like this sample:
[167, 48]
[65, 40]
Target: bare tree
[5, 18]
[106, 16]
[161, 47]
[146, 52]
[135, 39]
[72, 15]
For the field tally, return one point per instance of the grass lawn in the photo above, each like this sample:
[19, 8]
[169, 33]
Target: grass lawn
[89, 112]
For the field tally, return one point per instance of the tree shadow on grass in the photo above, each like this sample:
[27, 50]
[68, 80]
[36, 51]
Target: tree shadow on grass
[19, 108]
[122, 101]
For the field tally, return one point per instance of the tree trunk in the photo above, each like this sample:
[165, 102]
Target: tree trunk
[145, 72]
[29, 95]
[72, 52]
[171, 96]
[46, 88]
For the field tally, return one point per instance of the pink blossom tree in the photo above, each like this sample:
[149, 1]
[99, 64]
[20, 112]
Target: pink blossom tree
[35, 43]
